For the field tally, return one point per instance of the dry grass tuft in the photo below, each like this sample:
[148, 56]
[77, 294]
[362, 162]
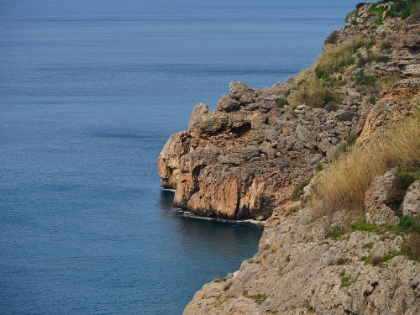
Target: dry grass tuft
[344, 182]
[413, 241]
[292, 207]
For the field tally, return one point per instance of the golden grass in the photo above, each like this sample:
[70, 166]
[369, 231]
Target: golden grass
[343, 184]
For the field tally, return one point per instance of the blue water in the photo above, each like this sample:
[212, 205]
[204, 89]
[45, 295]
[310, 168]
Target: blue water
[89, 93]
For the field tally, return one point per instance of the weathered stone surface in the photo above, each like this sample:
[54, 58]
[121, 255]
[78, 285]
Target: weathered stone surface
[392, 105]
[382, 193]
[242, 93]
[304, 135]
[228, 104]
[211, 123]
[169, 162]
[297, 270]
[411, 202]
[244, 159]
[261, 152]
[198, 111]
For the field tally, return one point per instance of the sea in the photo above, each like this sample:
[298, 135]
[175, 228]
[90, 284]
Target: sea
[90, 91]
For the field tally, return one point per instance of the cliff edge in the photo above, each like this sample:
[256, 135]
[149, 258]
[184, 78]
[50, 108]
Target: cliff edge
[331, 159]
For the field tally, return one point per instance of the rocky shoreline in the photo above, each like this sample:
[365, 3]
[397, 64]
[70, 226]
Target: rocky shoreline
[253, 157]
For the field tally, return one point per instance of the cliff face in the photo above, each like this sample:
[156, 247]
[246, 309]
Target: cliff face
[244, 159]
[252, 155]
[299, 271]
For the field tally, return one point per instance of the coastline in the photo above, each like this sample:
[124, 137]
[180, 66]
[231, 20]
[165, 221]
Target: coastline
[232, 163]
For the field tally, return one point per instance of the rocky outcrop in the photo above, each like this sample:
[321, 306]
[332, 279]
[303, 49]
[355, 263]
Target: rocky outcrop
[244, 159]
[393, 104]
[381, 200]
[298, 270]
[411, 202]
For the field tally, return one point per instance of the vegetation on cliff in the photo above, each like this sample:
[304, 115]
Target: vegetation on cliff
[349, 242]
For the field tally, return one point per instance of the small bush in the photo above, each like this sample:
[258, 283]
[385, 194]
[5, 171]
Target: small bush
[333, 37]
[315, 93]
[360, 4]
[282, 102]
[385, 44]
[331, 107]
[372, 99]
[362, 79]
[345, 282]
[320, 73]
[405, 223]
[319, 167]
[405, 179]
[375, 260]
[410, 224]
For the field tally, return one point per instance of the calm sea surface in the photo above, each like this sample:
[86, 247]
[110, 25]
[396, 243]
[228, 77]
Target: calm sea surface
[89, 93]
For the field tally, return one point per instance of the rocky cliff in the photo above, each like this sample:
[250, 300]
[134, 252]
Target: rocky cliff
[244, 159]
[253, 156]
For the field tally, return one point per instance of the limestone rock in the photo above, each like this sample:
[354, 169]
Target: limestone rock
[228, 104]
[211, 123]
[242, 93]
[392, 105]
[305, 136]
[297, 270]
[382, 193]
[411, 202]
[244, 159]
[168, 161]
[198, 111]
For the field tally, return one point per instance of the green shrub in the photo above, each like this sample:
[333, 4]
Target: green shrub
[406, 223]
[345, 282]
[282, 102]
[333, 37]
[362, 79]
[319, 167]
[410, 224]
[385, 44]
[316, 93]
[331, 106]
[405, 179]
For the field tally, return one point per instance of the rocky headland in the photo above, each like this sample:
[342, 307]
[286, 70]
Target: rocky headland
[271, 154]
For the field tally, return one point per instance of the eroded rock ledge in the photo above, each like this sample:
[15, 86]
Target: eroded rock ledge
[243, 159]
[299, 271]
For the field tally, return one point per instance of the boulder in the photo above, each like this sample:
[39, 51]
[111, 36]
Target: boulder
[381, 193]
[198, 111]
[411, 202]
[228, 104]
[242, 93]
[211, 123]
[304, 135]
